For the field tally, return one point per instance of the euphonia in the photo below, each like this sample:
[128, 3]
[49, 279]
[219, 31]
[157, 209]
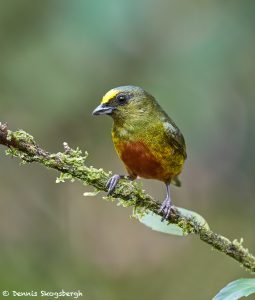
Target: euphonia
[145, 138]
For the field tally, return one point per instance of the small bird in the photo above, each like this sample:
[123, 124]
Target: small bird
[145, 138]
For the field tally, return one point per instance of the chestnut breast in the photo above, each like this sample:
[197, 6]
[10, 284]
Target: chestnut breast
[140, 161]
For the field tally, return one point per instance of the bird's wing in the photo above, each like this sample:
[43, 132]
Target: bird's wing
[175, 137]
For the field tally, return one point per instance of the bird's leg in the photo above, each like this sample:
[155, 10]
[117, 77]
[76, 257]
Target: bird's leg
[112, 182]
[165, 207]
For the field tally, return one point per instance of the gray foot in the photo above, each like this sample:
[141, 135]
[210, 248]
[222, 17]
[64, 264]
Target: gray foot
[165, 207]
[112, 182]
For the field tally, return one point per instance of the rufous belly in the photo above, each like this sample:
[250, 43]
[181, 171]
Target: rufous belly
[140, 161]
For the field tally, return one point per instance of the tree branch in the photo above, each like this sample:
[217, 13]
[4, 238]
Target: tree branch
[70, 164]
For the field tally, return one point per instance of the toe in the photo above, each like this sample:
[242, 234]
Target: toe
[165, 209]
[111, 184]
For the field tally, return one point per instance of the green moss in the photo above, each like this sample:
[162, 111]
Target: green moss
[139, 212]
[63, 177]
[91, 194]
[12, 152]
[186, 227]
[21, 135]
[73, 157]
[238, 243]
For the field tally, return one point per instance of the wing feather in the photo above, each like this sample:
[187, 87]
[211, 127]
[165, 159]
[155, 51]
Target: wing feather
[175, 137]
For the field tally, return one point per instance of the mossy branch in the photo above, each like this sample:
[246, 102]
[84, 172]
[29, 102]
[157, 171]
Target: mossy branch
[71, 165]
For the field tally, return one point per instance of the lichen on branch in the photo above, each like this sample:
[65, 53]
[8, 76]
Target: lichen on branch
[71, 165]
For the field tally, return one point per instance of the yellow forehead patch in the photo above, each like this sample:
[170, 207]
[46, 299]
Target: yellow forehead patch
[109, 95]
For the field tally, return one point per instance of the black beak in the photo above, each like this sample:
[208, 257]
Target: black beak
[102, 110]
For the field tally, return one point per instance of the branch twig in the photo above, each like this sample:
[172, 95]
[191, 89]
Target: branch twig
[71, 165]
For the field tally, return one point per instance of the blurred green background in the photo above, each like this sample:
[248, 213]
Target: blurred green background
[57, 59]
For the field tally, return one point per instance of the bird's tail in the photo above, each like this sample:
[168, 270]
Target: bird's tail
[176, 181]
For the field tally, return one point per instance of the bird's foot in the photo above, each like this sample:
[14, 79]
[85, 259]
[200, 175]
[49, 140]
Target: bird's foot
[165, 209]
[112, 182]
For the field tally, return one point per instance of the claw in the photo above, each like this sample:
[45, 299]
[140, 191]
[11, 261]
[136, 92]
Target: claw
[112, 182]
[165, 207]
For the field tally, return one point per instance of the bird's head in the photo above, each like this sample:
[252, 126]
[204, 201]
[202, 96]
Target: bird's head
[125, 102]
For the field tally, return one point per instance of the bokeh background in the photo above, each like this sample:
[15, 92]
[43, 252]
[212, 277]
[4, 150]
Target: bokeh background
[57, 59]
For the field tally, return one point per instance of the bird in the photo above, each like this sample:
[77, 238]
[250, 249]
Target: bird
[145, 138]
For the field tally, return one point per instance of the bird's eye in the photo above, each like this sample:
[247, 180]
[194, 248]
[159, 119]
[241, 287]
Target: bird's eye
[121, 99]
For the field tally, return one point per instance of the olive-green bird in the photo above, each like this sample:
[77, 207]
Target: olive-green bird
[145, 138]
